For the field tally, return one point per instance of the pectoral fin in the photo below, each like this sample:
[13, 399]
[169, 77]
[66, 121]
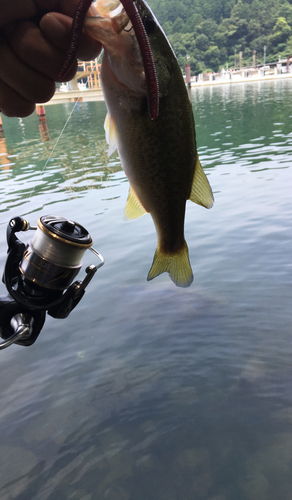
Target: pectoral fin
[201, 192]
[110, 134]
[133, 208]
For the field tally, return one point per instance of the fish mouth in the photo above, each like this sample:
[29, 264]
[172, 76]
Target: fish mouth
[108, 8]
[112, 8]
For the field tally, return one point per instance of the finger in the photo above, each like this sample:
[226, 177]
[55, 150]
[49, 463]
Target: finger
[28, 83]
[57, 28]
[17, 9]
[67, 7]
[35, 50]
[25, 9]
[13, 104]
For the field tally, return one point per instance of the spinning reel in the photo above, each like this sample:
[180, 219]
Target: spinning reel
[38, 276]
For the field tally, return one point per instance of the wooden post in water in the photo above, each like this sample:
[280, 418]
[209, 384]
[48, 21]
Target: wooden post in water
[188, 74]
[254, 58]
[5, 162]
[240, 59]
[41, 112]
[1, 127]
[44, 131]
[43, 127]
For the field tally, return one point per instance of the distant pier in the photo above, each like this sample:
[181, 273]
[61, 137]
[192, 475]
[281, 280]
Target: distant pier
[221, 80]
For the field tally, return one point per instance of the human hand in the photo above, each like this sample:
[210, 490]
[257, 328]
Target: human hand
[34, 37]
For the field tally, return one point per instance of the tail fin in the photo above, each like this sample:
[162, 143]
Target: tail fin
[177, 265]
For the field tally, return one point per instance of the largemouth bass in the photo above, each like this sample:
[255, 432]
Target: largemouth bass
[159, 156]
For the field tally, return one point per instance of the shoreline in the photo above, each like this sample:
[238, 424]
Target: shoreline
[240, 79]
[97, 94]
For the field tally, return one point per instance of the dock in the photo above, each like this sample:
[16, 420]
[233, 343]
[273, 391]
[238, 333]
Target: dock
[76, 95]
[240, 79]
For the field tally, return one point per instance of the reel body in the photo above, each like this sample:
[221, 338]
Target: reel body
[38, 276]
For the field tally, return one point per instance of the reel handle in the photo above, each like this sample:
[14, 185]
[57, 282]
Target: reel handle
[18, 325]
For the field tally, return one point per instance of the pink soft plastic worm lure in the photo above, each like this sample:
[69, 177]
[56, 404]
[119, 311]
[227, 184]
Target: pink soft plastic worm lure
[143, 41]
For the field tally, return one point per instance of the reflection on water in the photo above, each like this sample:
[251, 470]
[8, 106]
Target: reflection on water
[77, 162]
[148, 391]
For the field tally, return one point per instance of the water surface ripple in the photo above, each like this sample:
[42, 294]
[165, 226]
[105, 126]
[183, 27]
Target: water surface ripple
[148, 391]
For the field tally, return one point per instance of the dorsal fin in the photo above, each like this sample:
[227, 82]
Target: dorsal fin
[201, 192]
[110, 134]
[133, 208]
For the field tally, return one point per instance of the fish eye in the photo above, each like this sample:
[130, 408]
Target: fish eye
[149, 24]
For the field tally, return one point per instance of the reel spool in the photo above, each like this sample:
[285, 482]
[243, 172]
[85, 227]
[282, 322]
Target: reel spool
[53, 257]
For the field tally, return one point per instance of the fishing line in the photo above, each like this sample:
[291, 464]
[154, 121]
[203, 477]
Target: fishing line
[56, 143]
[63, 129]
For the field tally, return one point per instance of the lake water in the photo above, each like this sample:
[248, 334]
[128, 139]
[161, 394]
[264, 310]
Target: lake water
[147, 391]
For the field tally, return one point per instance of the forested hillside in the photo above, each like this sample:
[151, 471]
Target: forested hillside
[211, 33]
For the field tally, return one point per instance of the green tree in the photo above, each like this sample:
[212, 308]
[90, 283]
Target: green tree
[193, 22]
[210, 31]
[168, 27]
[212, 57]
[281, 30]
[202, 42]
[208, 28]
[241, 10]
[220, 39]
[288, 49]
[178, 26]
[259, 43]
[279, 37]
